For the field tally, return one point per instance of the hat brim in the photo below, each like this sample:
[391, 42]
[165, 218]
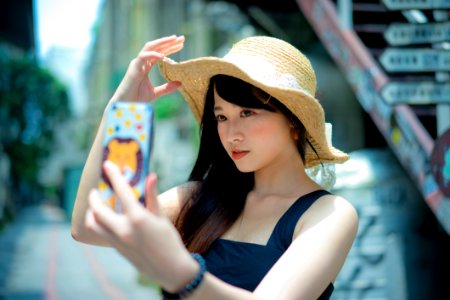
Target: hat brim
[195, 75]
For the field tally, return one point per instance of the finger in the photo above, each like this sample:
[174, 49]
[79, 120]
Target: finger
[173, 48]
[160, 47]
[155, 55]
[112, 238]
[150, 56]
[168, 49]
[166, 88]
[103, 219]
[151, 200]
[116, 226]
[93, 226]
[120, 185]
[160, 43]
[146, 60]
[100, 211]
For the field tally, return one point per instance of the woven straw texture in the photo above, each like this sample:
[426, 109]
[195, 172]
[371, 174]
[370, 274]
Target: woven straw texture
[272, 65]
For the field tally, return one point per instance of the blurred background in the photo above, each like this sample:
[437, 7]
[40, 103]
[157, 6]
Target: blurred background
[61, 60]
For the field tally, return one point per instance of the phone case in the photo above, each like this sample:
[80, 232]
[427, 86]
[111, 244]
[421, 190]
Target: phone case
[127, 142]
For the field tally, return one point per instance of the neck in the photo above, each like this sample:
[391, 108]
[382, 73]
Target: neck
[286, 178]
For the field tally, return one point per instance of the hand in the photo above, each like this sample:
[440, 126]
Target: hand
[136, 86]
[143, 236]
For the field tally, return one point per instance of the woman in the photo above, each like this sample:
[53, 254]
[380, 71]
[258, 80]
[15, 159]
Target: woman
[260, 228]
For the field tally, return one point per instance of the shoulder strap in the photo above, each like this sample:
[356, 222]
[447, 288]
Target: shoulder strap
[284, 229]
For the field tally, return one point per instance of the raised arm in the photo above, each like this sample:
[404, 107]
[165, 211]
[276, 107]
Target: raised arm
[135, 86]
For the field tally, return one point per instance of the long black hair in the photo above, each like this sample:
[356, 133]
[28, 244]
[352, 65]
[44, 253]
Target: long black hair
[220, 199]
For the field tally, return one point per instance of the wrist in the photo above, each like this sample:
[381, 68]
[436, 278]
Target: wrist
[189, 278]
[185, 272]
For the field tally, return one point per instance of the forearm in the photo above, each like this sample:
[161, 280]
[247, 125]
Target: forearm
[214, 288]
[192, 278]
[186, 274]
[89, 179]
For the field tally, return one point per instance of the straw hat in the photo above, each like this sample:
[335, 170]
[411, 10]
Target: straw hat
[275, 67]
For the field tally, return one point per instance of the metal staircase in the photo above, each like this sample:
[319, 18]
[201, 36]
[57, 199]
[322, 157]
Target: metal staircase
[396, 56]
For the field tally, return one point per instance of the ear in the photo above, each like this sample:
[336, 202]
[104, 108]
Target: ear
[113, 144]
[134, 146]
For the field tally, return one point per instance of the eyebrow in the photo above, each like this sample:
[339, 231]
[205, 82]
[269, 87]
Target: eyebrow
[217, 108]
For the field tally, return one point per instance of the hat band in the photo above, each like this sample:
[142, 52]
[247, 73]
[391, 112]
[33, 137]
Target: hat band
[264, 72]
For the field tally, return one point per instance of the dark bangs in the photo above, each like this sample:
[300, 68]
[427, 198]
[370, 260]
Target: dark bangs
[241, 93]
[246, 95]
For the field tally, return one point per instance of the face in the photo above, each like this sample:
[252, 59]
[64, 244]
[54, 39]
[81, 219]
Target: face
[254, 138]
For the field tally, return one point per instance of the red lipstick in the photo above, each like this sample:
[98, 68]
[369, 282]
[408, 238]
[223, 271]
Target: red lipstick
[237, 154]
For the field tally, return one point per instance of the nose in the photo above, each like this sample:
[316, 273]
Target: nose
[233, 131]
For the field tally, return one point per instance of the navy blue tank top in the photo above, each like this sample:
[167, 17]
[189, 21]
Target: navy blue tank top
[244, 264]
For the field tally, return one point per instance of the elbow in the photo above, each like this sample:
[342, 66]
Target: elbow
[76, 228]
[80, 235]
[83, 235]
[79, 232]
[76, 233]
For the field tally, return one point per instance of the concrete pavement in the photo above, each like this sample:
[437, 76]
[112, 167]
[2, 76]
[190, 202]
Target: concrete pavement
[40, 260]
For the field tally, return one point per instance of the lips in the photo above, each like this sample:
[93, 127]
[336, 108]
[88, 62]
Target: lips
[238, 154]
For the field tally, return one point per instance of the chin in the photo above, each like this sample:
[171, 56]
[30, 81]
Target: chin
[244, 169]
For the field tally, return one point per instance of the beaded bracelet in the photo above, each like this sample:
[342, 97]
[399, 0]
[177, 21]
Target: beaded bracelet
[190, 287]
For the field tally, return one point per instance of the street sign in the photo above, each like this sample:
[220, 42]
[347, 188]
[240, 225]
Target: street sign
[415, 60]
[416, 4]
[407, 34]
[416, 93]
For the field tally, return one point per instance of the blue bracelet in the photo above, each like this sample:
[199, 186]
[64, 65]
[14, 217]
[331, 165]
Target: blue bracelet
[190, 287]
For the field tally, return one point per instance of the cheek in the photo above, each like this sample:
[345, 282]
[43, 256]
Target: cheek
[221, 133]
[261, 129]
[270, 132]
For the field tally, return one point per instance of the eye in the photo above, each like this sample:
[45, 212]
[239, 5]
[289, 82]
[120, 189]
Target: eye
[220, 118]
[247, 113]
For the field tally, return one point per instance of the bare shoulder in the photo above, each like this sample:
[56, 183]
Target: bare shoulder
[337, 205]
[173, 199]
[330, 223]
[322, 240]
[336, 212]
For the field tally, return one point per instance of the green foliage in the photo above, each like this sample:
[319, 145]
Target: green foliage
[33, 103]
[168, 106]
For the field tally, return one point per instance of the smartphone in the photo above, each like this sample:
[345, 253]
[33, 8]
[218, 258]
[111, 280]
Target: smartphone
[127, 142]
